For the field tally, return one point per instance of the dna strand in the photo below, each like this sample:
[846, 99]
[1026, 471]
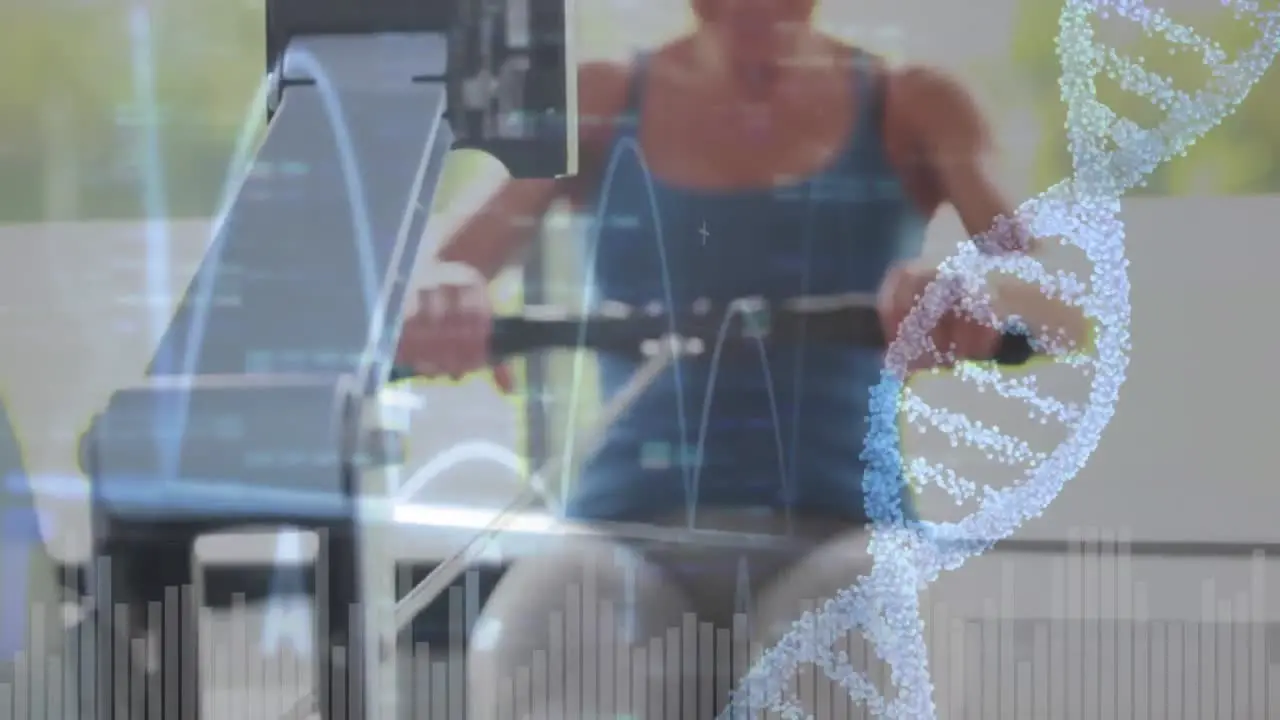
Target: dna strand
[1110, 155]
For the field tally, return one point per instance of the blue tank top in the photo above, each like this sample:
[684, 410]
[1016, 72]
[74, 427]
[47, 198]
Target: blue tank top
[779, 428]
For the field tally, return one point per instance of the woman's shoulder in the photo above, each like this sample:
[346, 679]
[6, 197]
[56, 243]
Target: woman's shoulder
[602, 91]
[602, 99]
[605, 87]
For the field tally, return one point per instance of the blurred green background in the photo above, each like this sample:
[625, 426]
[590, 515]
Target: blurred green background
[1240, 157]
[85, 85]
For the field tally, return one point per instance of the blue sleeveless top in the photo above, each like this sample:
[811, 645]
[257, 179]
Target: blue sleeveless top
[778, 428]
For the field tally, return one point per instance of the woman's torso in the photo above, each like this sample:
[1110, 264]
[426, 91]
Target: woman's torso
[781, 427]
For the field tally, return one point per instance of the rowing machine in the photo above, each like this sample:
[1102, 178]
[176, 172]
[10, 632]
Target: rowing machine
[848, 320]
[656, 339]
[268, 377]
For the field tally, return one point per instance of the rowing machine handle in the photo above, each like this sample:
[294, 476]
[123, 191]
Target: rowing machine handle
[520, 335]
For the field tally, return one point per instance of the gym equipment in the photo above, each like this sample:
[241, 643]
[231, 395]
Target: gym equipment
[659, 338]
[849, 320]
[260, 405]
[504, 66]
[846, 320]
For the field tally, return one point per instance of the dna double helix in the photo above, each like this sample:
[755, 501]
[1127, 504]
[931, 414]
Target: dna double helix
[1110, 155]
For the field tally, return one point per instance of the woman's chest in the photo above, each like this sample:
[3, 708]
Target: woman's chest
[692, 146]
[834, 233]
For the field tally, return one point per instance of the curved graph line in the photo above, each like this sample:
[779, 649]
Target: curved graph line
[597, 222]
[457, 454]
[691, 476]
[350, 163]
[736, 308]
[363, 243]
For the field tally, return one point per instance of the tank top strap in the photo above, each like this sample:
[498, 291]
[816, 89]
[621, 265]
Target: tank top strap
[635, 90]
[870, 87]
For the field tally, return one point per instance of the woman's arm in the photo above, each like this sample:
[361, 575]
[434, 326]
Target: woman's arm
[505, 225]
[954, 140]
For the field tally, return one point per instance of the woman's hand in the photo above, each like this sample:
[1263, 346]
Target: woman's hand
[448, 333]
[956, 336]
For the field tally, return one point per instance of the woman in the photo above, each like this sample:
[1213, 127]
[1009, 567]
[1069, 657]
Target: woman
[755, 156]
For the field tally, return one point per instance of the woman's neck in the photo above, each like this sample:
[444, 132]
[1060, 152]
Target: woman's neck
[757, 77]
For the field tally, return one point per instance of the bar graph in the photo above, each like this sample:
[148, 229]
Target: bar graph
[1100, 653]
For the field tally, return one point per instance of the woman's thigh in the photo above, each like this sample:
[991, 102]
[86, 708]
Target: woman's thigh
[559, 636]
[806, 586]
[753, 595]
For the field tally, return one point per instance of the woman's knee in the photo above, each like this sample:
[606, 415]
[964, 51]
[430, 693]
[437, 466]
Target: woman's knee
[806, 587]
[817, 577]
[555, 616]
